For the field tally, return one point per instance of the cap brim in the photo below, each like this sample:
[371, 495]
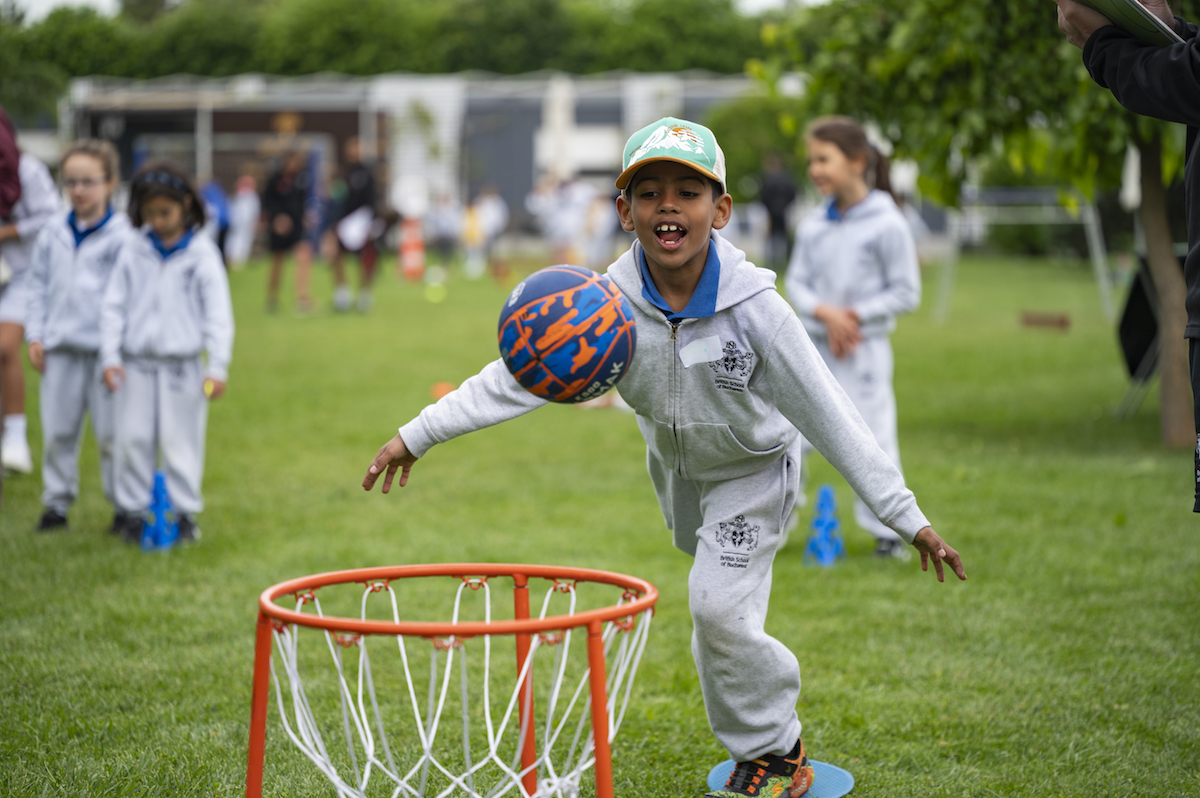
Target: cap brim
[624, 178]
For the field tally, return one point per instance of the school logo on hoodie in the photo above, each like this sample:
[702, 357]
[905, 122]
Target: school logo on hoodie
[740, 536]
[733, 368]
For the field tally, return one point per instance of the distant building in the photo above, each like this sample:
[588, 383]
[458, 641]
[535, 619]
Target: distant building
[434, 134]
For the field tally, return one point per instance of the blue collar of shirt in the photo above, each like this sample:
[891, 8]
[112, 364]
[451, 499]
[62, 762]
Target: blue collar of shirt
[703, 303]
[167, 252]
[82, 234]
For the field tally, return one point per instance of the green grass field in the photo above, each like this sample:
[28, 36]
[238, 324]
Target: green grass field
[1068, 664]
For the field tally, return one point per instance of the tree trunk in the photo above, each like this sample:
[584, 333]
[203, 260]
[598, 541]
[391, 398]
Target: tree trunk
[1176, 417]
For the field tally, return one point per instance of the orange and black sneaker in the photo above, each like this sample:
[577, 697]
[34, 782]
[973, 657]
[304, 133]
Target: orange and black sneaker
[770, 776]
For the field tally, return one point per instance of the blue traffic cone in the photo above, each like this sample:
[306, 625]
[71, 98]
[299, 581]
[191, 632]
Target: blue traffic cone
[160, 529]
[825, 545]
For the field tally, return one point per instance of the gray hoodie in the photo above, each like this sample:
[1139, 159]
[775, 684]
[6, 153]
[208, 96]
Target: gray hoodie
[175, 307]
[754, 378]
[865, 260]
[67, 282]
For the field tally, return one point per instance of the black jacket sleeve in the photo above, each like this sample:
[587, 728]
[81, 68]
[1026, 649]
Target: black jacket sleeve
[1162, 82]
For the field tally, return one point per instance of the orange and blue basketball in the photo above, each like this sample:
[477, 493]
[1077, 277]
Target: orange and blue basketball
[567, 334]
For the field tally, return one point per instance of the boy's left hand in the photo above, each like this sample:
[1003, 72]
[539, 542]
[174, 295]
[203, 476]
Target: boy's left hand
[931, 545]
[214, 388]
[392, 455]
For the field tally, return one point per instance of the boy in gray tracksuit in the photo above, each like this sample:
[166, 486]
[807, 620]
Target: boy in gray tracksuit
[69, 272]
[722, 377]
[164, 306]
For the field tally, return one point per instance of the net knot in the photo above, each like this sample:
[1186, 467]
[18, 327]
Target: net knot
[378, 587]
[445, 644]
[305, 597]
[474, 582]
[347, 641]
[565, 587]
[551, 638]
[625, 624]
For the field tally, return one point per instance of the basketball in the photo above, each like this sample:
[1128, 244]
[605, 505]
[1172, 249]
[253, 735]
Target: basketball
[567, 334]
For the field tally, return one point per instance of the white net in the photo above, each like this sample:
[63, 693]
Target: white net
[455, 725]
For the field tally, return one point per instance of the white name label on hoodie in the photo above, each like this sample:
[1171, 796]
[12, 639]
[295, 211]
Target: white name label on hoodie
[704, 350]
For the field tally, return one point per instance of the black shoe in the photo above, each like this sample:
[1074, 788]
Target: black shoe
[118, 523]
[52, 521]
[130, 527]
[189, 532]
[892, 550]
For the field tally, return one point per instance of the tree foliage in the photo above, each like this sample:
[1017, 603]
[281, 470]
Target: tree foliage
[296, 37]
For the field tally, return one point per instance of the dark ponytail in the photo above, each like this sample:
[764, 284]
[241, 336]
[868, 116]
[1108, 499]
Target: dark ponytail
[162, 177]
[851, 138]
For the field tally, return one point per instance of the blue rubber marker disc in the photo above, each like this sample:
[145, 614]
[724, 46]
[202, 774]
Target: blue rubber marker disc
[829, 781]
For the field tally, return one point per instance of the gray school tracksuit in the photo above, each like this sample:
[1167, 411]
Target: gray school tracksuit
[38, 203]
[64, 291]
[159, 315]
[865, 260]
[719, 401]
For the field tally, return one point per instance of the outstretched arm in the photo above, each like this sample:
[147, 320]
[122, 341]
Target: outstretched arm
[392, 456]
[931, 546]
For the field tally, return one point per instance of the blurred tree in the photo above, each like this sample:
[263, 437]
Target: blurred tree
[750, 129]
[203, 37]
[143, 11]
[652, 36]
[80, 41]
[359, 37]
[948, 82]
[29, 88]
[510, 37]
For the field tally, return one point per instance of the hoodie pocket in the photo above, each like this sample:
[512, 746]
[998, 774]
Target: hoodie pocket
[714, 452]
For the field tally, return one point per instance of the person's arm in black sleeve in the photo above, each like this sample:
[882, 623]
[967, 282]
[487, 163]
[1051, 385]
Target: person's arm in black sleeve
[1162, 82]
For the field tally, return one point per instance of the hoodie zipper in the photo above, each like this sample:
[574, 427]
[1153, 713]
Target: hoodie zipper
[675, 391]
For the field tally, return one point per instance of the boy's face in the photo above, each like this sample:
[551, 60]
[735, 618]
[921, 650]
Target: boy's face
[671, 209]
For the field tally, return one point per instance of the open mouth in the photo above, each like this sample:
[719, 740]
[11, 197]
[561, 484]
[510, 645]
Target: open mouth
[670, 234]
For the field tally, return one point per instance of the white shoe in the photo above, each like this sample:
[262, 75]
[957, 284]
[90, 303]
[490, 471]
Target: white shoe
[15, 455]
[341, 298]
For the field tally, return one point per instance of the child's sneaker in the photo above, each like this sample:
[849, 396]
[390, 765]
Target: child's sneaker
[130, 528]
[771, 776]
[15, 455]
[52, 520]
[341, 298]
[892, 550]
[189, 532]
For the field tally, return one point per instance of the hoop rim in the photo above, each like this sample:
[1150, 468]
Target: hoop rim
[433, 629]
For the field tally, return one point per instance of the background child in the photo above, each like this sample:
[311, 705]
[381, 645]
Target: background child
[167, 301]
[359, 200]
[72, 260]
[723, 377]
[853, 270]
[284, 202]
[37, 205]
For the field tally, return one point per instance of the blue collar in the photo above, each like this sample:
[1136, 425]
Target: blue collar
[703, 303]
[832, 213]
[166, 252]
[82, 234]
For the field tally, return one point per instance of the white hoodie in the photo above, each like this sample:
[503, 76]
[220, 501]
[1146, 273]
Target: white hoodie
[733, 412]
[175, 307]
[865, 260]
[67, 282]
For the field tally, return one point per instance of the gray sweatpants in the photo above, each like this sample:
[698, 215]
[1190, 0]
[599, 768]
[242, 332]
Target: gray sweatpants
[72, 384]
[160, 408]
[750, 680]
[866, 376]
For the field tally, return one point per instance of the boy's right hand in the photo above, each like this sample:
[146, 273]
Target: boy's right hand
[37, 356]
[392, 455]
[114, 377]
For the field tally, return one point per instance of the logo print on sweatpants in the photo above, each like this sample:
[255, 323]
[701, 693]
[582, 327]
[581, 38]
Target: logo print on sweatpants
[733, 368]
[738, 534]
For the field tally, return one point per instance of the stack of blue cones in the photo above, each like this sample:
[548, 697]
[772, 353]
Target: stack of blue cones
[160, 529]
[825, 545]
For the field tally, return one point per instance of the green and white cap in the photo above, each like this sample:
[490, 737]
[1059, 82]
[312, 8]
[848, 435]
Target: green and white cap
[671, 139]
